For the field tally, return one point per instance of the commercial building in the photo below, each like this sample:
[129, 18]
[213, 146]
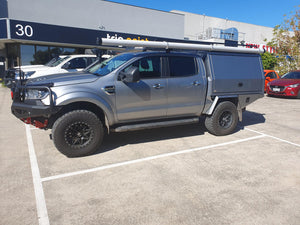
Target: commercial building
[32, 31]
[212, 29]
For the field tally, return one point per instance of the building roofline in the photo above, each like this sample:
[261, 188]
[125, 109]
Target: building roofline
[183, 13]
[159, 10]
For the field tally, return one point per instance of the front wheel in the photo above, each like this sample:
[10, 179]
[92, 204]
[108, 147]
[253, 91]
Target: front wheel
[224, 119]
[78, 133]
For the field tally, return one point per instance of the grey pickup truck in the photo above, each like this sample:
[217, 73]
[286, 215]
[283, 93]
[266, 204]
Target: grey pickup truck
[141, 90]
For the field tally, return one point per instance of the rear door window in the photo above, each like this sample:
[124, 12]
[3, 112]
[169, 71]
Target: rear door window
[182, 66]
[78, 63]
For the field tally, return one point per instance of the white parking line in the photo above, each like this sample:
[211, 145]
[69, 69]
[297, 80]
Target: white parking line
[37, 180]
[37, 183]
[279, 139]
[147, 159]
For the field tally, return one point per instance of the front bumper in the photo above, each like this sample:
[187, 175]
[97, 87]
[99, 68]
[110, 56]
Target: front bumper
[288, 92]
[22, 110]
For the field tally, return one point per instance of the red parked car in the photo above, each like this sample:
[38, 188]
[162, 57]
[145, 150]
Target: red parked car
[287, 85]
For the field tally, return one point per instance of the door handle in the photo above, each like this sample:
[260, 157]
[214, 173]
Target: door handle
[196, 83]
[158, 86]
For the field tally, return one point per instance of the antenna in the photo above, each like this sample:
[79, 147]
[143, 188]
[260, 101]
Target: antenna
[176, 45]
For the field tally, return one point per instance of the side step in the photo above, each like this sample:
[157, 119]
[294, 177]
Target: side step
[143, 126]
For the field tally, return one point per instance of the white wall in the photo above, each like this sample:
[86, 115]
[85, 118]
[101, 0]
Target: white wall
[98, 14]
[195, 25]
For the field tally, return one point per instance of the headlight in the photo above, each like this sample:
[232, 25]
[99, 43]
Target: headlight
[36, 93]
[17, 75]
[293, 85]
[24, 75]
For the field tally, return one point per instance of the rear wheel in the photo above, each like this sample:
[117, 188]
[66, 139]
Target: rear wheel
[78, 133]
[224, 119]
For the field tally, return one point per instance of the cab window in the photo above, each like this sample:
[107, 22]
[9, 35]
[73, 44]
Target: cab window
[149, 67]
[78, 63]
[182, 66]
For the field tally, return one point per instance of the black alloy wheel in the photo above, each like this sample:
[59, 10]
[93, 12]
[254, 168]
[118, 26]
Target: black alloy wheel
[78, 133]
[224, 119]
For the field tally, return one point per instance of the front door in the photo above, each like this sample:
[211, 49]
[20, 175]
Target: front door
[145, 99]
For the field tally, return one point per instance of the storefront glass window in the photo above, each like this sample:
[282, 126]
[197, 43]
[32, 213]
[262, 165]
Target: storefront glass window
[41, 55]
[12, 55]
[27, 52]
[35, 54]
[55, 51]
[69, 51]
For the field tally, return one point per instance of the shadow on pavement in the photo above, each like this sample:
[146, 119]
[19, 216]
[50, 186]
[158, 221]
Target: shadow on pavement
[115, 140]
[252, 118]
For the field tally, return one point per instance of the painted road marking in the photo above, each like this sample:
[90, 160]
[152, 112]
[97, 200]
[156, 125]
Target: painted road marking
[146, 159]
[279, 139]
[37, 182]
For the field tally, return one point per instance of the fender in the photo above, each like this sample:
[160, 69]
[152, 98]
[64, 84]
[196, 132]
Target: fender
[213, 106]
[84, 96]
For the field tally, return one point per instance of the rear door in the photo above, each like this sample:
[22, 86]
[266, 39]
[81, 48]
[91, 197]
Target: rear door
[186, 86]
[145, 99]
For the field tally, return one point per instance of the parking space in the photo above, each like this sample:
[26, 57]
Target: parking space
[175, 175]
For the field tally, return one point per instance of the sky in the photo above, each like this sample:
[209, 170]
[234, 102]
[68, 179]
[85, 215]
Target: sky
[267, 13]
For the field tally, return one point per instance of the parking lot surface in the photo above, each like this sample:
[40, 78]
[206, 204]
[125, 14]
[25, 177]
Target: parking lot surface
[175, 175]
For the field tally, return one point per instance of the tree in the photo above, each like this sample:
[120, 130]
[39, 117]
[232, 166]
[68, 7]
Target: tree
[269, 61]
[286, 41]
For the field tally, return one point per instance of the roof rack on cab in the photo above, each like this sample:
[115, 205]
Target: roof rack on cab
[175, 45]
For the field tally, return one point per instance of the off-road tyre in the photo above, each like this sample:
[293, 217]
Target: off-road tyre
[224, 119]
[78, 133]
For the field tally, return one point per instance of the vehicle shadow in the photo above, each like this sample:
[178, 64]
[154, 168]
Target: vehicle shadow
[115, 140]
[251, 118]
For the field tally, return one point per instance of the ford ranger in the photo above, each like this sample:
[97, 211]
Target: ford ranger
[141, 90]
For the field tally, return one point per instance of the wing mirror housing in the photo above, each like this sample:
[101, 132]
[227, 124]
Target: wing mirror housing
[132, 75]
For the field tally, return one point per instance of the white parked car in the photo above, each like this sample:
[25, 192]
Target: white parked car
[61, 64]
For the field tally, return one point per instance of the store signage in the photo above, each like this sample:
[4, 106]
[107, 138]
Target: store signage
[21, 30]
[38, 32]
[3, 29]
[263, 46]
[138, 38]
[51, 33]
[67, 35]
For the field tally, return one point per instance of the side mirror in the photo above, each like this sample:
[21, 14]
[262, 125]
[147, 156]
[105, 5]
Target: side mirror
[132, 75]
[268, 78]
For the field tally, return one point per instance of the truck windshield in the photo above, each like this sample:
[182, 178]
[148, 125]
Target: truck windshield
[109, 65]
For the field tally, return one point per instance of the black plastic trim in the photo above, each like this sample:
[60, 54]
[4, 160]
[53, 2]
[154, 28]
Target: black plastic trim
[22, 110]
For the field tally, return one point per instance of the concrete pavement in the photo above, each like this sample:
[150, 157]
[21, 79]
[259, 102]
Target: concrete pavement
[177, 175]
